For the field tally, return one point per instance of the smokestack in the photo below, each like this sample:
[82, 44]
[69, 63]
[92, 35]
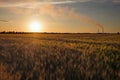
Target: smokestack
[102, 30]
[100, 26]
[98, 30]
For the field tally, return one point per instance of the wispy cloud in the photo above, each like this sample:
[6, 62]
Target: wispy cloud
[116, 1]
[33, 4]
[106, 1]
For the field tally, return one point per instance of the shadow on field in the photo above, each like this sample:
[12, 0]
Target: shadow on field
[45, 65]
[58, 64]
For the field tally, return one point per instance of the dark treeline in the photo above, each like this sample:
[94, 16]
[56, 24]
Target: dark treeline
[14, 32]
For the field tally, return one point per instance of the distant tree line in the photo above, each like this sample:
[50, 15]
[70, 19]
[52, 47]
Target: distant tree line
[14, 32]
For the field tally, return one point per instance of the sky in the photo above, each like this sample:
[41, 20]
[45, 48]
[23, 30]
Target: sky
[74, 16]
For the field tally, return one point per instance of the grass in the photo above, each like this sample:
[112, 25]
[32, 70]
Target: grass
[59, 57]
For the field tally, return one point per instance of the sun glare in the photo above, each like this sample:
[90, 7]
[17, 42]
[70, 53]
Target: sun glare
[35, 26]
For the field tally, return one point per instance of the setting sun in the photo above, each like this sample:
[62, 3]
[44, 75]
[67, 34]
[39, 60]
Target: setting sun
[35, 26]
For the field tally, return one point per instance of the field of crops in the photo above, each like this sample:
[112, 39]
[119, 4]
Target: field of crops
[59, 57]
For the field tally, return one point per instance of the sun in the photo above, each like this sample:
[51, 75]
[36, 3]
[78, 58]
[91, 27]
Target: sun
[35, 26]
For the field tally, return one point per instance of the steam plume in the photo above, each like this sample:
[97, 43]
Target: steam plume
[86, 20]
[4, 21]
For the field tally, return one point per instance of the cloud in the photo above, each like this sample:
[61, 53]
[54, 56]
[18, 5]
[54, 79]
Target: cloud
[106, 1]
[30, 4]
[116, 1]
[35, 3]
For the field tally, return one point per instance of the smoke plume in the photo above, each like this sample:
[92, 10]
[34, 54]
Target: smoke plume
[86, 20]
[4, 21]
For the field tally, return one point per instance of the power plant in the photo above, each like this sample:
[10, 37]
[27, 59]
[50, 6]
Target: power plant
[101, 30]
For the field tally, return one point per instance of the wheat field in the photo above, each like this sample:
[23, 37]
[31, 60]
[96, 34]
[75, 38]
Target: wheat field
[59, 57]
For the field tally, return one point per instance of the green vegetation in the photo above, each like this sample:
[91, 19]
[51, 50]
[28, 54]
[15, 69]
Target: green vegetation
[59, 57]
